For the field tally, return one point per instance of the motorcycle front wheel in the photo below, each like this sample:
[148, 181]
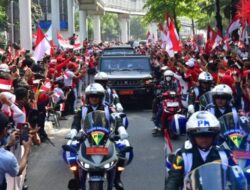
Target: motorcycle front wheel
[96, 185]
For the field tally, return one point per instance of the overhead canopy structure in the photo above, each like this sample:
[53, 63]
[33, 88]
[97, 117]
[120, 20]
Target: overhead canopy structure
[130, 7]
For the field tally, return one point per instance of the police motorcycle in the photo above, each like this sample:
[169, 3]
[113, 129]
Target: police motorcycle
[95, 151]
[171, 118]
[179, 122]
[205, 100]
[215, 176]
[235, 136]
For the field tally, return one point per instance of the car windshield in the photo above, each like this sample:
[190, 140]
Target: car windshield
[124, 64]
[118, 51]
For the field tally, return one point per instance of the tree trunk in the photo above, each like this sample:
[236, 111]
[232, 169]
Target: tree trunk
[218, 16]
[175, 19]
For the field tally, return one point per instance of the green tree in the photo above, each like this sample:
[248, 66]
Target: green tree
[3, 14]
[202, 11]
[138, 29]
[90, 28]
[110, 27]
[36, 13]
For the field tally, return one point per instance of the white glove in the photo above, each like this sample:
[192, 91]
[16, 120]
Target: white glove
[115, 115]
[191, 109]
[122, 133]
[73, 133]
[119, 107]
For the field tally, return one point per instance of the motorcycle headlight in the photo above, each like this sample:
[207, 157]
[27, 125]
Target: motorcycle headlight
[109, 165]
[87, 166]
[84, 165]
[248, 170]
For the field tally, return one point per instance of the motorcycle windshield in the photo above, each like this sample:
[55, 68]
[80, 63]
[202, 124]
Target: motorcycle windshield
[234, 131]
[215, 176]
[205, 100]
[96, 120]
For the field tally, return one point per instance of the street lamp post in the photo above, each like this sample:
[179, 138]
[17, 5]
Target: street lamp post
[12, 21]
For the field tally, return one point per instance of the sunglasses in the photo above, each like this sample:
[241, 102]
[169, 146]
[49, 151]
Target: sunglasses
[221, 97]
[94, 96]
[204, 135]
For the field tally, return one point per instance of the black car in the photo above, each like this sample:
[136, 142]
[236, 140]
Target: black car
[130, 76]
[119, 50]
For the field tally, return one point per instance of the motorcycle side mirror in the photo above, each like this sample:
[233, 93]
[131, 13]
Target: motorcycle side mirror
[69, 149]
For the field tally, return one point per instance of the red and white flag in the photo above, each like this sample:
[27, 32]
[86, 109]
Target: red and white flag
[234, 25]
[163, 36]
[62, 42]
[5, 84]
[65, 43]
[218, 40]
[173, 42]
[213, 39]
[48, 35]
[46, 86]
[42, 46]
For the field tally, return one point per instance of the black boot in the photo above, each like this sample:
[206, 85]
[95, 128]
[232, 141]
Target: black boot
[117, 182]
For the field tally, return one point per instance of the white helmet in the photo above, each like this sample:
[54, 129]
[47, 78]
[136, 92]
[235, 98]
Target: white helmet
[205, 77]
[101, 76]
[164, 68]
[95, 89]
[202, 122]
[168, 73]
[222, 90]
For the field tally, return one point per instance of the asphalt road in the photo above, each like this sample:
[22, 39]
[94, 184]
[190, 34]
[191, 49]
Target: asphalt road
[47, 170]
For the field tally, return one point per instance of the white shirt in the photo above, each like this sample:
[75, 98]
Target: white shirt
[204, 154]
[68, 78]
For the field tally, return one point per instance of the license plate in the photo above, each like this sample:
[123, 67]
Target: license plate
[97, 151]
[126, 92]
[173, 104]
[241, 155]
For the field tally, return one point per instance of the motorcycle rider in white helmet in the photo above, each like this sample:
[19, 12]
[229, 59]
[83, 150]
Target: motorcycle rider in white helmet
[205, 84]
[222, 96]
[94, 101]
[111, 97]
[169, 83]
[200, 148]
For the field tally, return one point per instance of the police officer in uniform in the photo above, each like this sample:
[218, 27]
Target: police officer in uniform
[202, 129]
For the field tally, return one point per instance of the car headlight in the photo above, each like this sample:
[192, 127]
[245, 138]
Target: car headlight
[148, 81]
